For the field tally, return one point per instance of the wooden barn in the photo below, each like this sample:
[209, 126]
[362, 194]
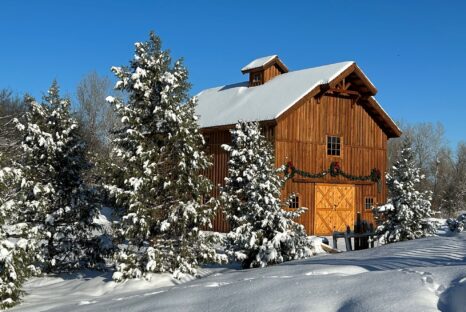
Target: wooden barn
[326, 127]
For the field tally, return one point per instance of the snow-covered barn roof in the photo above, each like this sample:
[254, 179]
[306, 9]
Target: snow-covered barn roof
[225, 105]
[263, 62]
[258, 63]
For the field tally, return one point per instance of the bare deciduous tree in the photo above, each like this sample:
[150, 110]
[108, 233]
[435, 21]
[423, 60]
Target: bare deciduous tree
[11, 106]
[96, 116]
[453, 200]
[432, 155]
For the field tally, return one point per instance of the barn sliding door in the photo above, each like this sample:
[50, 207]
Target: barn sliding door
[334, 207]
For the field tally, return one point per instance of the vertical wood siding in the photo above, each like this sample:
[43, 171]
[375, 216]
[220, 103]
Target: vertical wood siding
[219, 169]
[300, 136]
[271, 72]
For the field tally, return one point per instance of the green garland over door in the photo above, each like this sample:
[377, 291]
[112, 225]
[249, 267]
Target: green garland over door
[334, 170]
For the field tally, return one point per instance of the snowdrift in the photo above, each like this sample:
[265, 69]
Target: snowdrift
[422, 275]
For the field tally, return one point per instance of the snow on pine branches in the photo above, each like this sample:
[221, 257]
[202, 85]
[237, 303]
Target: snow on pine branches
[46, 216]
[262, 232]
[15, 267]
[51, 202]
[17, 254]
[159, 161]
[406, 215]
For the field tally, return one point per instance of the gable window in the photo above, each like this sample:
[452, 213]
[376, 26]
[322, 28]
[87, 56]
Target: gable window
[368, 203]
[294, 202]
[333, 145]
[257, 77]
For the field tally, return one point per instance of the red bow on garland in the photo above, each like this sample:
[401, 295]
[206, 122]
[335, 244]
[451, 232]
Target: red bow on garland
[289, 167]
[335, 169]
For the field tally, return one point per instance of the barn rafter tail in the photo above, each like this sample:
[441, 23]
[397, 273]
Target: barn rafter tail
[315, 118]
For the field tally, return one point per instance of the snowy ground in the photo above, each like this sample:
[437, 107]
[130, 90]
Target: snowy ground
[422, 275]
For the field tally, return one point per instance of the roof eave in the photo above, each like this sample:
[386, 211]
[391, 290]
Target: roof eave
[232, 125]
[354, 68]
[390, 127]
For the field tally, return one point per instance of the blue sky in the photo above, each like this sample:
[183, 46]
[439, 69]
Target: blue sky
[413, 51]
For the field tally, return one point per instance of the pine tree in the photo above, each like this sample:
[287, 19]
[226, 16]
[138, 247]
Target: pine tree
[15, 267]
[406, 215]
[51, 199]
[159, 183]
[262, 232]
[16, 247]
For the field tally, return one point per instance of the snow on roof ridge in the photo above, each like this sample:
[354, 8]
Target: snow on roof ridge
[259, 62]
[245, 82]
[225, 105]
[318, 83]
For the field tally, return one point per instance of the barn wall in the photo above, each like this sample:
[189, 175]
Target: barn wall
[301, 135]
[271, 72]
[219, 170]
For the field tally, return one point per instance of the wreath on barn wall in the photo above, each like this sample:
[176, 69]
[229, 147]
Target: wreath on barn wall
[334, 170]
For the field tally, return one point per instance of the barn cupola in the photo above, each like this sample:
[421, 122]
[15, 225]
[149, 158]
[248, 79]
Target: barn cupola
[264, 69]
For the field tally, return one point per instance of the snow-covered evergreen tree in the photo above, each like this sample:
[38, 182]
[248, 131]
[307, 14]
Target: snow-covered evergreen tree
[159, 182]
[51, 203]
[17, 249]
[262, 232]
[15, 266]
[406, 215]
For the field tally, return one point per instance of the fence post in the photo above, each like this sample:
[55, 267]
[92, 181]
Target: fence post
[348, 239]
[357, 230]
[371, 228]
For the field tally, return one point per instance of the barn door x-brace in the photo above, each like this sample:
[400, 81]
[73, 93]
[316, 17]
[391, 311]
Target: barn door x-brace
[334, 207]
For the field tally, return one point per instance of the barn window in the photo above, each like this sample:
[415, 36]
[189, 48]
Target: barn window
[368, 203]
[333, 146]
[294, 202]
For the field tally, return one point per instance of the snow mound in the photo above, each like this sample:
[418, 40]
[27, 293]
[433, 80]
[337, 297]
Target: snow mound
[87, 288]
[454, 297]
[343, 270]
[422, 275]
